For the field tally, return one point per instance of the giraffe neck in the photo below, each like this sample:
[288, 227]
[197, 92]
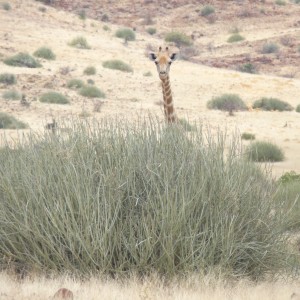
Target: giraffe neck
[168, 100]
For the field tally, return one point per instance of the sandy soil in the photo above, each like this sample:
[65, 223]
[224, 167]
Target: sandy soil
[25, 28]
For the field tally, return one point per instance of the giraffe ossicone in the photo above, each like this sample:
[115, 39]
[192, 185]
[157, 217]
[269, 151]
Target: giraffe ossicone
[163, 60]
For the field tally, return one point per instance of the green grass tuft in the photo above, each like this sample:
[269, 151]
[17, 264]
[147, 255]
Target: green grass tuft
[22, 60]
[12, 95]
[270, 104]
[10, 122]
[8, 78]
[54, 97]
[116, 64]
[236, 37]
[90, 70]
[151, 30]
[261, 151]
[179, 38]
[80, 42]
[44, 52]
[91, 92]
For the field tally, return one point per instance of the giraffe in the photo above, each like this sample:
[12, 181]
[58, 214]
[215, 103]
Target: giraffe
[163, 60]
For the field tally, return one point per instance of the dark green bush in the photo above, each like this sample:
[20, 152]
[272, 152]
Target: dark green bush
[10, 122]
[75, 84]
[12, 95]
[91, 92]
[269, 48]
[54, 97]
[8, 78]
[117, 64]
[227, 102]
[22, 60]
[264, 152]
[151, 30]
[44, 52]
[248, 136]
[90, 70]
[270, 104]
[126, 34]
[179, 38]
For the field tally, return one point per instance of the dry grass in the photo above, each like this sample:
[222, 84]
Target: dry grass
[191, 289]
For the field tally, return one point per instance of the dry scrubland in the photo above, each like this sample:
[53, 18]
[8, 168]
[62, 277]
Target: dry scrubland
[211, 72]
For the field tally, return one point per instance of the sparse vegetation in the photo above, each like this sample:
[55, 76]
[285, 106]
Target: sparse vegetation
[82, 14]
[188, 52]
[207, 10]
[227, 102]
[5, 6]
[126, 33]
[75, 84]
[44, 52]
[247, 68]
[54, 97]
[80, 42]
[8, 78]
[234, 38]
[269, 48]
[186, 125]
[248, 136]
[105, 28]
[12, 95]
[91, 92]
[90, 81]
[147, 74]
[22, 60]
[179, 38]
[271, 104]
[298, 108]
[90, 70]
[151, 30]
[117, 64]
[280, 2]
[9, 122]
[261, 151]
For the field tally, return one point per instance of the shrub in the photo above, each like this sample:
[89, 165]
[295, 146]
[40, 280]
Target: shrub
[82, 14]
[280, 2]
[126, 198]
[117, 64]
[147, 74]
[6, 6]
[10, 122]
[7, 78]
[298, 108]
[151, 30]
[11, 95]
[80, 42]
[45, 53]
[248, 136]
[126, 34]
[75, 84]
[54, 97]
[236, 37]
[90, 81]
[90, 70]
[270, 104]
[297, 1]
[227, 102]
[264, 152]
[179, 38]
[22, 60]
[187, 52]
[91, 92]
[106, 28]
[247, 68]
[269, 48]
[290, 177]
[207, 10]
[186, 125]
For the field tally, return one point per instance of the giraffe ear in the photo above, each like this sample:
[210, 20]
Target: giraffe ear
[152, 56]
[173, 56]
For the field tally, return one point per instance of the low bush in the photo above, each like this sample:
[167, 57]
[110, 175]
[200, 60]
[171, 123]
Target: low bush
[82, 14]
[236, 37]
[44, 52]
[126, 34]
[8, 78]
[280, 2]
[151, 30]
[80, 42]
[5, 6]
[91, 92]
[147, 74]
[9, 122]
[178, 38]
[12, 95]
[207, 10]
[248, 136]
[106, 28]
[54, 97]
[227, 102]
[22, 60]
[269, 48]
[247, 68]
[261, 151]
[75, 84]
[298, 108]
[270, 104]
[117, 64]
[90, 70]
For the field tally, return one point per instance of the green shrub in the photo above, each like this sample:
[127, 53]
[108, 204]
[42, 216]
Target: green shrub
[106, 28]
[6, 6]
[75, 84]
[22, 60]
[10, 122]
[54, 97]
[264, 152]
[8, 78]
[247, 68]
[11, 95]
[147, 74]
[298, 108]
[126, 34]
[44, 52]
[117, 64]
[82, 14]
[80, 42]
[227, 102]
[290, 177]
[90, 70]
[248, 136]
[179, 38]
[280, 2]
[207, 10]
[151, 30]
[297, 1]
[236, 37]
[91, 92]
[270, 104]
[269, 48]
[90, 81]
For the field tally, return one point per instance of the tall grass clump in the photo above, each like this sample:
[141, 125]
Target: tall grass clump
[44, 52]
[91, 92]
[262, 151]
[115, 198]
[80, 42]
[10, 122]
[116, 64]
[178, 38]
[22, 60]
[270, 104]
[54, 97]
[8, 78]
[125, 33]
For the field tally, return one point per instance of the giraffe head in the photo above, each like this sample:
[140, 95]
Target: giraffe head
[163, 60]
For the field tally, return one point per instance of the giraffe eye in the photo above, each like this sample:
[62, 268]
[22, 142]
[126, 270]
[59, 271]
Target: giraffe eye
[170, 62]
[156, 62]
